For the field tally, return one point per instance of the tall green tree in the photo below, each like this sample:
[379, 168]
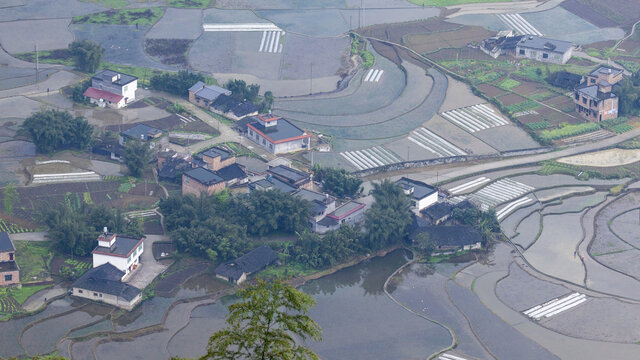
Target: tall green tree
[337, 181]
[87, 55]
[241, 91]
[53, 130]
[137, 155]
[387, 220]
[11, 197]
[176, 83]
[266, 325]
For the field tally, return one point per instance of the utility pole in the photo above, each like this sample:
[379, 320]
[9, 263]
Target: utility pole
[311, 80]
[37, 65]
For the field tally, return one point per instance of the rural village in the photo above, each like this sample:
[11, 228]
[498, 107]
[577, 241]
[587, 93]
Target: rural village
[412, 179]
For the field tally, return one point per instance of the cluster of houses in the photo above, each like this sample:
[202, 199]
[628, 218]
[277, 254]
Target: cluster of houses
[528, 46]
[432, 215]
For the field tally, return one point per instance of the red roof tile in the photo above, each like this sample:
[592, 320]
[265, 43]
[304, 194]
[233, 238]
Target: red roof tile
[98, 94]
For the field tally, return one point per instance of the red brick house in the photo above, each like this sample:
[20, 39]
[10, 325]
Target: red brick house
[593, 97]
[9, 269]
[201, 180]
[217, 158]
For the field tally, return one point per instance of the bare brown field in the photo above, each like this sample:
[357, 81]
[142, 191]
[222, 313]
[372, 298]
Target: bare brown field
[395, 32]
[464, 53]
[511, 99]
[527, 88]
[619, 12]
[600, 45]
[425, 43]
[587, 13]
[490, 90]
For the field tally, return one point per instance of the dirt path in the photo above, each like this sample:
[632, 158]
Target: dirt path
[601, 61]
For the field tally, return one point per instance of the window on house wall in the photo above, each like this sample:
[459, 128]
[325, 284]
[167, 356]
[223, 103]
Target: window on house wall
[11, 257]
[271, 146]
[593, 81]
[584, 100]
[545, 56]
[100, 295]
[95, 294]
[80, 291]
[521, 52]
[8, 277]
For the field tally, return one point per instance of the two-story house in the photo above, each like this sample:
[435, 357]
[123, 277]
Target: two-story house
[200, 180]
[321, 205]
[292, 177]
[121, 251]
[422, 195]
[593, 97]
[276, 134]
[9, 269]
[112, 89]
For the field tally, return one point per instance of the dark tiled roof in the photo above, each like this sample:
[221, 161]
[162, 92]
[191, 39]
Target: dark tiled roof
[215, 152]
[8, 266]
[107, 75]
[288, 173]
[233, 171]
[122, 246]
[197, 86]
[239, 108]
[141, 130]
[346, 210]
[255, 260]
[456, 235]
[271, 183]
[328, 221]
[252, 164]
[278, 133]
[204, 176]
[420, 189]
[173, 168]
[5, 242]
[211, 92]
[544, 44]
[605, 69]
[594, 92]
[106, 279]
[314, 196]
[438, 210]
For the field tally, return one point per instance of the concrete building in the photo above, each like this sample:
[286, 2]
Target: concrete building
[593, 97]
[438, 213]
[271, 183]
[121, 251]
[292, 177]
[350, 213]
[276, 134]
[201, 180]
[9, 269]
[216, 158]
[321, 205]
[421, 194]
[544, 50]
[121, 85]
[103, 283]
[204, 95]
[236, 271]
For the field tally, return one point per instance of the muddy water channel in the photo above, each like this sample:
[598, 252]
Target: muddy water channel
[358, 319]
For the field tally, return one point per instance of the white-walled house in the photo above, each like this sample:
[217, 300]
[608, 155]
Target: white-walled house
[422, 195]
[120, 251]
[103, 283]
[112, 89]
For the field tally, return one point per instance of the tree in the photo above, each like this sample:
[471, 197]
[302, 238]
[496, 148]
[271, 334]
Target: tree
[77, 94]
[176, 83]
[53, 130]
[486, 222]
[337, 181]
[241, 91]
[87, 55]
[137, 155]
[11, 197]
[265, 325]
[628, 95]
[387, 220]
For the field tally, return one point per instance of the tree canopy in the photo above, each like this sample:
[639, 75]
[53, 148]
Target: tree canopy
[176, 83]
[337, 181]
[486, 222]
[628, 91]
[137, 155]
[266, 325]
[241, 91]
[74, 229]
[11, 197]
[87, 55]
[387, 220]
[54, 130]
[217, 226]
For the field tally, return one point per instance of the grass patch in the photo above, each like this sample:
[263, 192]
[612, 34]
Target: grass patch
[541, 95]
[568, 131]
[621, 128]
[522, 106]
[189, 4]
[441, 3]
[286, 271]
[33, 257]
[434, 259]
[58, 56]
[509, 84]
[114, 4]
[148, 16]
[539, 125]
[22, 294]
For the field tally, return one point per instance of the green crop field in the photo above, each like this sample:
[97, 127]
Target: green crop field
[148, 16]
[191, 4]
[509, 84]
[33, 259]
